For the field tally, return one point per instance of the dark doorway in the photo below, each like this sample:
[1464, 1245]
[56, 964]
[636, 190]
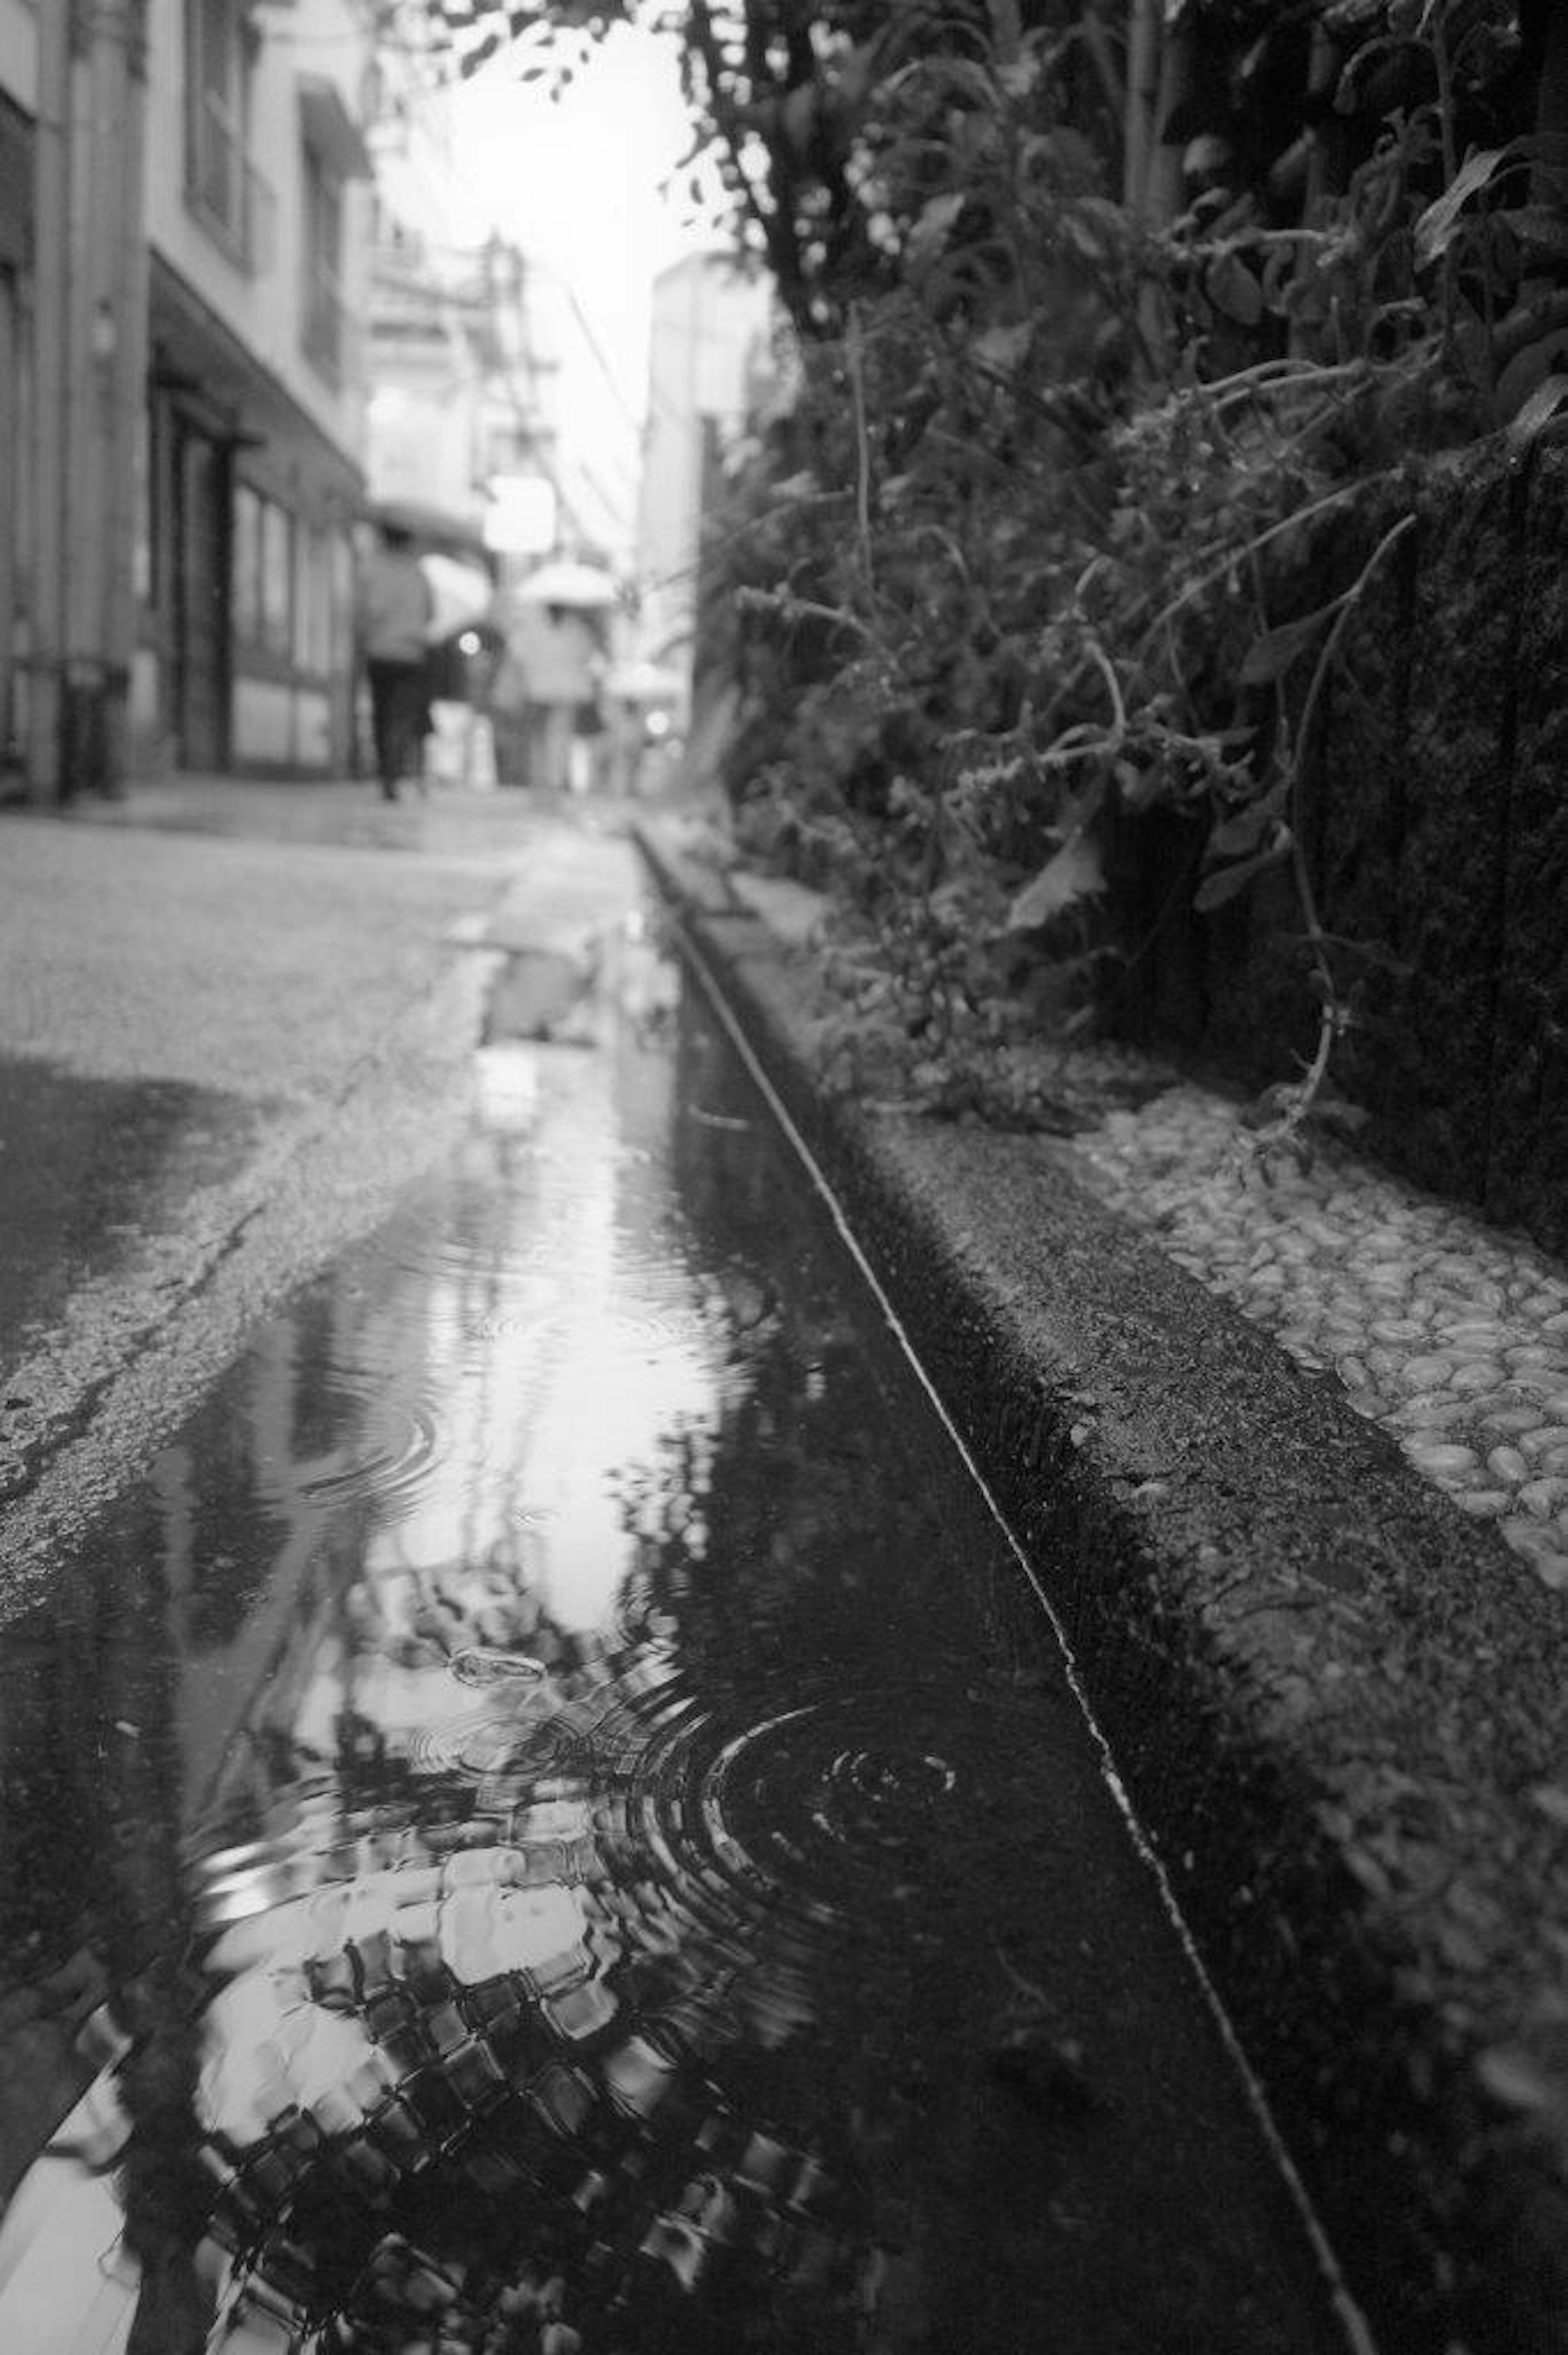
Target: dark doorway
[199, 599]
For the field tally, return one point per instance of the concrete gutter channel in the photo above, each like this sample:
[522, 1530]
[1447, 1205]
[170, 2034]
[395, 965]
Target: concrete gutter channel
[1338, 1705]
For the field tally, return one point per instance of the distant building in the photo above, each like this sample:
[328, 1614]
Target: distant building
[710, 328]
[461, 418]
[470, 352]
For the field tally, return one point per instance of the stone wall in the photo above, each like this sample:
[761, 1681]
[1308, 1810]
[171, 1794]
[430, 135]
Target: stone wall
[1434, 816]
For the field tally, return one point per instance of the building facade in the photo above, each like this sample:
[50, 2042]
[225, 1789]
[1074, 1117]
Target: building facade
[18, 74]
[707, 343]
[184, 214]
[256, 216]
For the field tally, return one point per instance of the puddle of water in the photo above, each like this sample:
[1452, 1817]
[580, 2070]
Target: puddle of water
[571, 1834]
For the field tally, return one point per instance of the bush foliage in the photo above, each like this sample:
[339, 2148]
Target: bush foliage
[1100, 316]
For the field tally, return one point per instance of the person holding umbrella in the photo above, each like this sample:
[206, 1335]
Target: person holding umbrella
[392, 624]
[546, 688]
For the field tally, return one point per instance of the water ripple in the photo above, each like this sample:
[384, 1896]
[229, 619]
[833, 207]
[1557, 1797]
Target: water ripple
[395, 1444]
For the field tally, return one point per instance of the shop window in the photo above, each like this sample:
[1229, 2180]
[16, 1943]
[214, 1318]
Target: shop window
[342, 552]
[275, 634]
[247, 588]
[312, 602]
[264, 594]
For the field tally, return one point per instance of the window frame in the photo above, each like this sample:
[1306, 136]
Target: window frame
[324, 239]
[223, 190]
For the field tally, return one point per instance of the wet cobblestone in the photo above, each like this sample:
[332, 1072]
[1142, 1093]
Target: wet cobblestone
[1449, 1333]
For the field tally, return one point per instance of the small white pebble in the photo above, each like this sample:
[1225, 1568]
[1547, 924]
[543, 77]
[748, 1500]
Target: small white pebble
[1508, 1464]
[1436, 1455]
[1550, 1434]
[1547, 1548]
[1425, 1373]
[1511, 1418]
[1478, 1374]
[1339, 1339]
[1485, 1504]
[1354, 1374]
[1543, 1498]
[1432, 1410]
[1396, 1330]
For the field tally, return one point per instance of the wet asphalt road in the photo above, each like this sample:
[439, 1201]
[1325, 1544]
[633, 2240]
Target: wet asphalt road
[234, 1021]
[542, 1790]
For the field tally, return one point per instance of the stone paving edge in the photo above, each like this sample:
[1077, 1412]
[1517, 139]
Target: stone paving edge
[1338, 1705]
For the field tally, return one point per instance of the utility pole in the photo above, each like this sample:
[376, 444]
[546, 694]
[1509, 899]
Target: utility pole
[107, 394]
[58, 39]
[130, 488]
[90, 340]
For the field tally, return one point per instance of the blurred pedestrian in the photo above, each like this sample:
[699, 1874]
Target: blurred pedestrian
[394, 612]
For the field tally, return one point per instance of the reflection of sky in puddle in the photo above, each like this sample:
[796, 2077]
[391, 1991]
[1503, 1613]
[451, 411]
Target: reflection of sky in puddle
[590, 1350]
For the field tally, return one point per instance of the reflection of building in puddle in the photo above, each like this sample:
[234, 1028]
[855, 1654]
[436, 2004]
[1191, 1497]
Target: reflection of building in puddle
[558, 1336]
[486, 2018]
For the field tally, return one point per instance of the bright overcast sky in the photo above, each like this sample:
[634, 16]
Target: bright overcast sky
[575, 183]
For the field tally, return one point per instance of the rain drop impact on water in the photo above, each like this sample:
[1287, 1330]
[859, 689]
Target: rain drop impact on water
[550, 1819]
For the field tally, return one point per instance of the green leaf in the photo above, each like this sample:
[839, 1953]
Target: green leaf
[1234, 291]
[1074, 873]
[1528, 370]
[1228, 883]
[1270, 656]
[1537, 412]
[1438, 225]
[1361, 72]
[929, 233]
[1003, 348]
[1235, 836]
[1540, 228]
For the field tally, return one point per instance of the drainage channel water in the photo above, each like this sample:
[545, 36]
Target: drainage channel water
[550, 1820]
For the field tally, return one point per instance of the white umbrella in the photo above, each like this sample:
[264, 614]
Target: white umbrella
[645, 682]
[562, 583]
[460, 594]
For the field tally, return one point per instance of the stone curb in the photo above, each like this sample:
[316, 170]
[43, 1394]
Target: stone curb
[1340, 1708]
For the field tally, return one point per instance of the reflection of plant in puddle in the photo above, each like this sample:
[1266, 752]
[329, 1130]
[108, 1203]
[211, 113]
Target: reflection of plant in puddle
[462, 2045]
[43, 2071]
[164, 2187]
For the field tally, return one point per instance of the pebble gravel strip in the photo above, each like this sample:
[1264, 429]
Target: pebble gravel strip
[1451, 1334]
